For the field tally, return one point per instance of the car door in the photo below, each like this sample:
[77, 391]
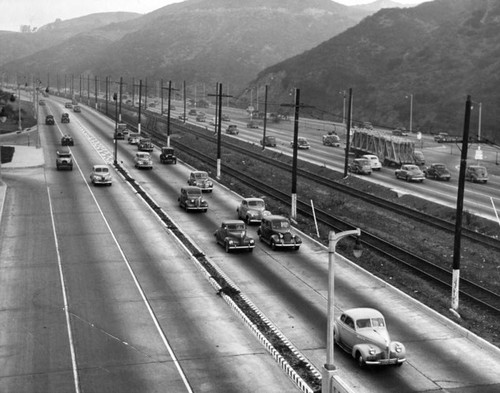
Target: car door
[243, 209]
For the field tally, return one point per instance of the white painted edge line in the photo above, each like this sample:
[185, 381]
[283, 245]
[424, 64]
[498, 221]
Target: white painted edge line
[74, 365]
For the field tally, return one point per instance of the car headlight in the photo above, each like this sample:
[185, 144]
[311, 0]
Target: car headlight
[398, 348]
[252, 241]
[231, 242]
[372, 352]
[280, 236]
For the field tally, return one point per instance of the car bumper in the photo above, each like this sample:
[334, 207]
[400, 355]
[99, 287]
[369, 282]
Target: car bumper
[385, 362]
[241, 246]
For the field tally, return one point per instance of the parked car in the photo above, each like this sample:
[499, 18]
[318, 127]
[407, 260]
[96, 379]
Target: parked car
[145, 144]
[167, 155]
[252, 124]
[143, 160]
[68, 105]
[133, 138]
[64, 159]
[361, 166]
[77, 109]
[232, 234]
[101, 175]
[232, 129]
[252, 210]
[277, 232]
[65, 118]
[476, 174]
[437, 172]
[362, 332]
[410, 172]
[201, 117]
[200, 179]
[331, 140]
[374, 161]
[67, 140]
[269, 141]
[191, 198]
[182, 117]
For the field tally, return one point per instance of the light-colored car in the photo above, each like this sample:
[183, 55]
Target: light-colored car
[277, 232]
[362, 332]
[133, 138]
[476, 174]
[200, 179]
[302, 143]
[143, 160]
[191, 198]
[232, 234]
[410, 172]
[101, 175]
[374, 161]
[361, 166]
[252, 210]
[68, 105]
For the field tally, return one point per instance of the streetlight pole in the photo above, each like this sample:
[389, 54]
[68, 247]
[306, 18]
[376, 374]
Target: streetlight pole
[329, 368]
[411, 111]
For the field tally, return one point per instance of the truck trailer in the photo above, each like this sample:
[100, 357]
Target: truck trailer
[390, 149]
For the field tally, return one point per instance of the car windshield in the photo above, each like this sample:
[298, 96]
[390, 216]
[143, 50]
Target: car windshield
[194, 193]
[256, 204]
[440, 167]
[64, 155]
[102, 170]
[201, 175]
[370, 322]
[412, 168]
[281, 224]
[363, 162]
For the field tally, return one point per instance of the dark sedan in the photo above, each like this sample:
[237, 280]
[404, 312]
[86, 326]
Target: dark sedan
[437, 172]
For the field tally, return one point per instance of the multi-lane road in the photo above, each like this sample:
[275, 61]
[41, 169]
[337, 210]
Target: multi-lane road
[98, 296]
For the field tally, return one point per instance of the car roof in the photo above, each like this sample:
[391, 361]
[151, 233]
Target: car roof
[229, 222]
[253, 199]
[196, 172]
[363, 312]
[100, 166]
[191, 188]
[273, 217]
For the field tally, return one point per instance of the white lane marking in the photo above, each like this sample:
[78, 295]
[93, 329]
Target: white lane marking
[176, 362]
[76, 380]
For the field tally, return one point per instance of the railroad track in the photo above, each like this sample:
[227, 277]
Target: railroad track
[480, 296]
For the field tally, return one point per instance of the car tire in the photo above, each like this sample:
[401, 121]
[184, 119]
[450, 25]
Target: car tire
[226, 246]
[360, 360]
[273, 245]
[296, 248]
[247, 220]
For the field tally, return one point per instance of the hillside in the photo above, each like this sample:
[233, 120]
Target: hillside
[203, 41]
[14, 46]
[439, 51]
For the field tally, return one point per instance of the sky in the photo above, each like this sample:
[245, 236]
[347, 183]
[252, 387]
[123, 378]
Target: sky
[36, 13]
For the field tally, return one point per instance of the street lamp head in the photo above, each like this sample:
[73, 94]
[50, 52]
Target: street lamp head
[358, 248]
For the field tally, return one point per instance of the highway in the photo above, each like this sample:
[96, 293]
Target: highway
[98, 297]
[96, 263]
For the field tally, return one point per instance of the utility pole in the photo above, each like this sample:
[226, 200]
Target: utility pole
[169, 88]
[219, 96]
[139, 112]
[348, 133]
[459, 211]
[265, 119]
[297, 107]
